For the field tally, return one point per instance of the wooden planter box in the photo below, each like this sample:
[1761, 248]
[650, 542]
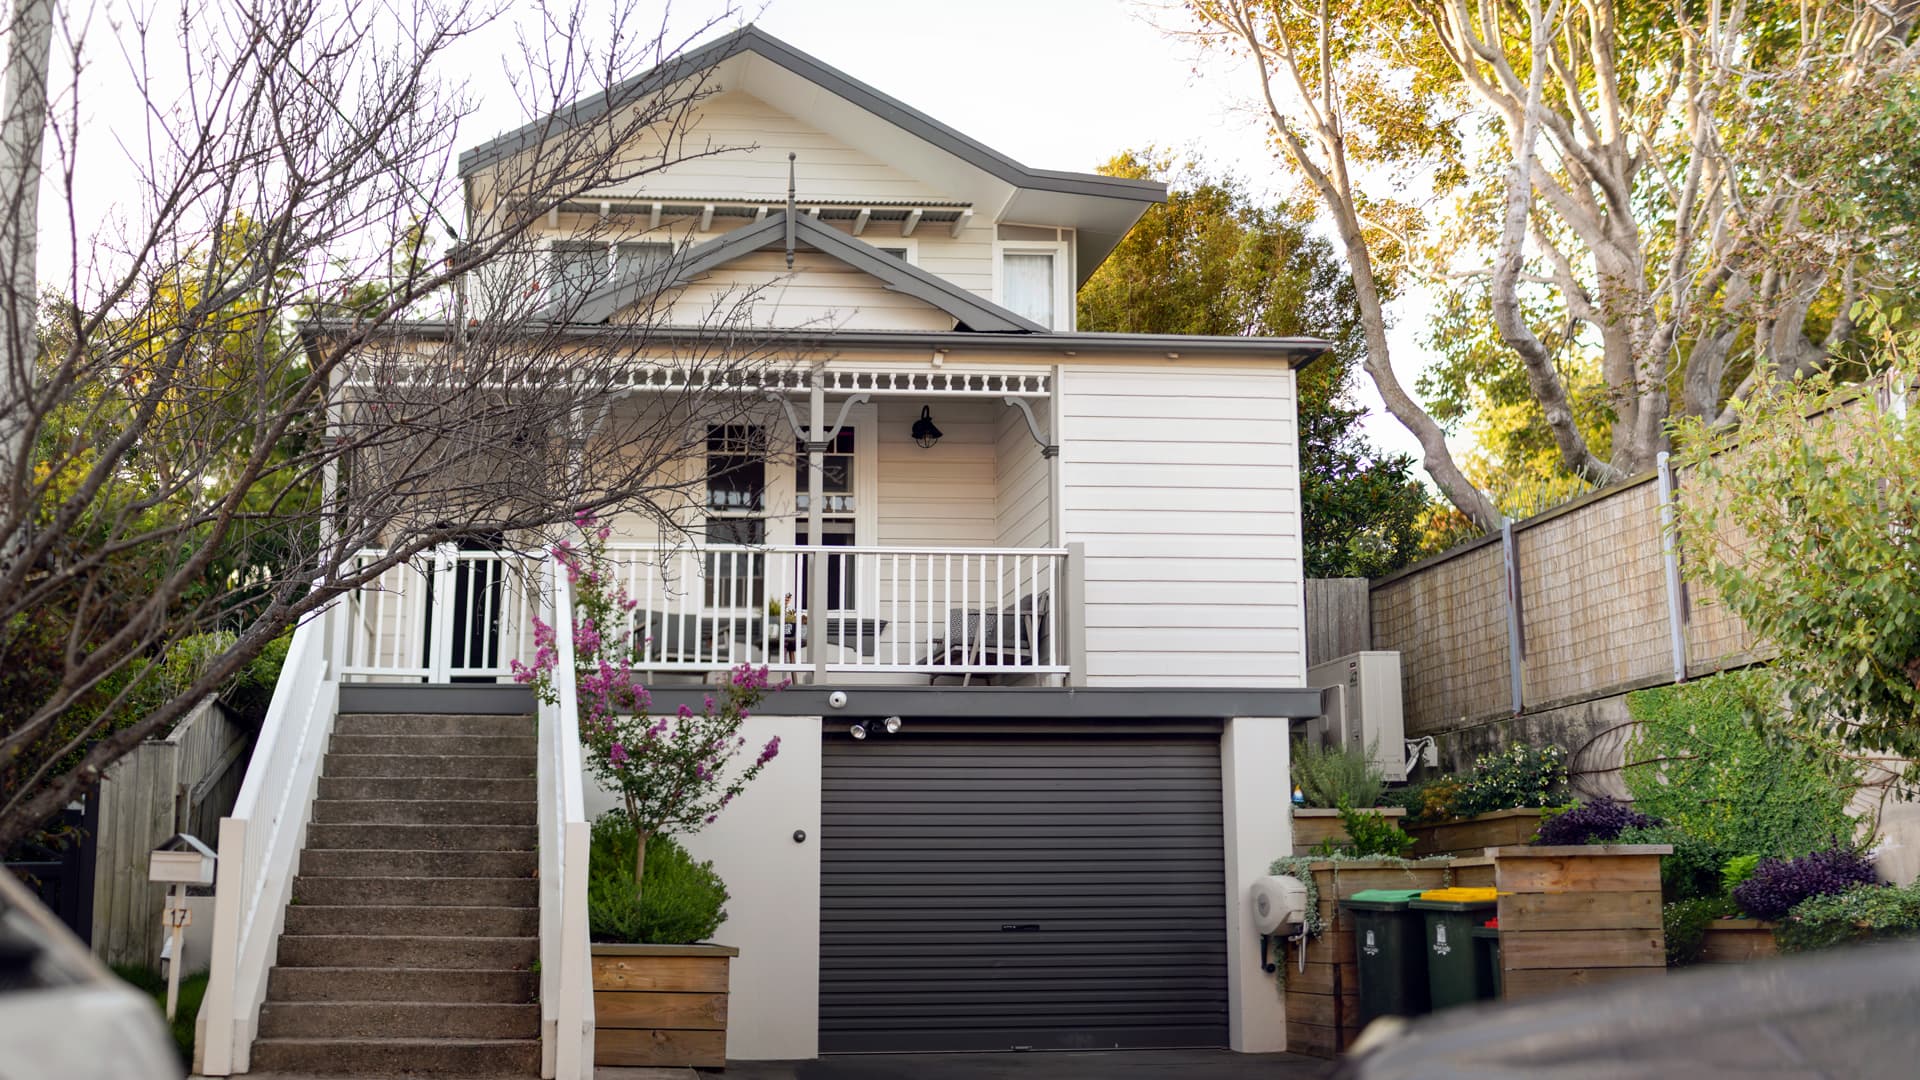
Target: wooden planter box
[1573, 917]
[1472, 836]
[1738, 941]
[1312, 827]
[1323, 1001]
[660, 1005]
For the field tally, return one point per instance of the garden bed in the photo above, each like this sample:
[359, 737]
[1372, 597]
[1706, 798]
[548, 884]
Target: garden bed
[1738, 941]
[661, 1005]
[1473, 835]
[1313, 827]
[1578, 916]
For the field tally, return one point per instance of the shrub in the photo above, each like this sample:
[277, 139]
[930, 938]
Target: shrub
[1863, 913]
[684, 901]
[251, 691]
[1517, 777]
[1736, 871]
[1692, 871]
[1779, 884]
[1328, 777]
[1686, 926]
[1429, 800]
[1697, 761]
[1596, 822]
[1369, 835]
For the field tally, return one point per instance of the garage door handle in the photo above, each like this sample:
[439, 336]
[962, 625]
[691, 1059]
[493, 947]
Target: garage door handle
[1019, 926]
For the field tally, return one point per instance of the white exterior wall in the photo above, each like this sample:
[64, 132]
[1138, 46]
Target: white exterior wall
[773, 913]
[1258, 819]
[1182, 479]
[944, 495]
[819, 293]
[1021, 480]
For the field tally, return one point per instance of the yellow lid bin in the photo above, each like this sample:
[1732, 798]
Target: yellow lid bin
[1461, 896]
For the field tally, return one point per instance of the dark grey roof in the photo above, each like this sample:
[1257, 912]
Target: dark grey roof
[972, 312]
[1294, 351]
[907, 118]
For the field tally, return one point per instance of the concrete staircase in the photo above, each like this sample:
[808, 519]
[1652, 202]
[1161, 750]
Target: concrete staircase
[410, 942]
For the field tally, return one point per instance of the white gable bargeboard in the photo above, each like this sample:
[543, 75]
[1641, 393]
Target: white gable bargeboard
[1182, 481]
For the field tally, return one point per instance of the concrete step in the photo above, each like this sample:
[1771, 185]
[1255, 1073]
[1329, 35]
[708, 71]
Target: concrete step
[518, 789]
[479, 985]
[406, 951]
[423, 837]
[335, 862]
[424, 812]
[438, 919]
[398, 1020]
[517, 1058]
[521, 745]
[516, 892]
[429, 724]
[488, 766]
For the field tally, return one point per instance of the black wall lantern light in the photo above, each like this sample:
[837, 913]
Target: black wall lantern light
[924, 432]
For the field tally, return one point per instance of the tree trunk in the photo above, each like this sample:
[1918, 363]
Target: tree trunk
[21, 134]
[639, 863]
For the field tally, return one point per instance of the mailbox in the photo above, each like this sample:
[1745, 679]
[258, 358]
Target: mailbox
[182, 860]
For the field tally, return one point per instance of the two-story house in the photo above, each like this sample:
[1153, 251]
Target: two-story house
[1068, 563]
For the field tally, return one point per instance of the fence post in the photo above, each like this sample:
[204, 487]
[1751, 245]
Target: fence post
[1516, 632]
[1670, 553]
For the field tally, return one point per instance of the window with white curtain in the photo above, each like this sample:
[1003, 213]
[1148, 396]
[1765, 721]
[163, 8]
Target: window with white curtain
[1027, 286]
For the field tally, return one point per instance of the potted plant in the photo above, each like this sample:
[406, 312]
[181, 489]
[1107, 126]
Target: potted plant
[660, 986]
[789, 617]
[1330, 786]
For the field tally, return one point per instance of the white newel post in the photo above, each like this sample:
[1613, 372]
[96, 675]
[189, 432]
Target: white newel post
[440, 656]
[1253, 771]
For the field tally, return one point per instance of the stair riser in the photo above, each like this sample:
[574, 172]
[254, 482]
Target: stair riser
[423, 812]
[441, 920]
[418, 864]
[422, 745]
[415, 891]
[423, 837]
[401, 765]
[410, 724]
[386, 984]
[373, 1058]
[398, 1020]
[519, 790]
[306, 950]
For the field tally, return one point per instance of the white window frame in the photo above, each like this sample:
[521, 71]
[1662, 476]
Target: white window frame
[911, 243]
[1063, 299]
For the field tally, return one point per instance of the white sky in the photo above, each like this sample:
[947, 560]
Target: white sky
[1059, 84]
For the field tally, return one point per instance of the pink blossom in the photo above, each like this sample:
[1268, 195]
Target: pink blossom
[618, 755]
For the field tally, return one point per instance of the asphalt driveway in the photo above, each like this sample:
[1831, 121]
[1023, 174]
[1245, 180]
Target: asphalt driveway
[1093, 1065]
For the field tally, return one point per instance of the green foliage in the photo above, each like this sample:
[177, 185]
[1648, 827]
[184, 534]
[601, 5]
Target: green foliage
[1427, 800]
[1692, 871]
[1865, 913]
[1330, 777]
[1299, 866]
[1697, 761]
[1370, 834]
[1736, 872]
[1211, 260]
[1517, 777]
[1827, 492]
[193, 989]
[251, 691]
[1686, 925]
[684, 901]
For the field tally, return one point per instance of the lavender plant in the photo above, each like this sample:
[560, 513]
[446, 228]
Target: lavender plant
[673, 774]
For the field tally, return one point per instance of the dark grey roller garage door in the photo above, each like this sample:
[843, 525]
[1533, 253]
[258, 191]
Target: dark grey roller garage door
[1047, 893]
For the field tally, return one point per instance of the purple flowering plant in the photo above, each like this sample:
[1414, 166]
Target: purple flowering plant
[673, 774]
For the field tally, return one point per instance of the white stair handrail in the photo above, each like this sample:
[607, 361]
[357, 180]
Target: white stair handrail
[566, 962]
[260, 844]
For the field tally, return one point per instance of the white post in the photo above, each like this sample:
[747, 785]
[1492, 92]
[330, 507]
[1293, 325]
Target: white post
[440, 657]
[1258, 819]
[817, 599]
[176, 920]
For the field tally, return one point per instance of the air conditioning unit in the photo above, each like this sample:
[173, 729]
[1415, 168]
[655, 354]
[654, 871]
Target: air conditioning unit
[1360, 703]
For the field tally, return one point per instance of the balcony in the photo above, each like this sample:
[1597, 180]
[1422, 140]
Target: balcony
[887, 615]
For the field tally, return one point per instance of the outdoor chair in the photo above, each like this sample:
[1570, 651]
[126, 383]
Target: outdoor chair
[994, 637]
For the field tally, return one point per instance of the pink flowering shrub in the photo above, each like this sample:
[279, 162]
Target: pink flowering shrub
[673, 774]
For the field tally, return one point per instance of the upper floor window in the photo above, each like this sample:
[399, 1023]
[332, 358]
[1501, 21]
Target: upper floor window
[575, 268]
[1030, 273]
[1027, 285]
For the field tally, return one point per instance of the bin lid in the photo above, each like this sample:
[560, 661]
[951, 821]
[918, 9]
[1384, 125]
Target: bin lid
[1380, 899]
[1460, 895]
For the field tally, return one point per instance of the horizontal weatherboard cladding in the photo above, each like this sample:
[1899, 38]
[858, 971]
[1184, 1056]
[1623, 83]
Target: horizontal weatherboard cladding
[992, 892]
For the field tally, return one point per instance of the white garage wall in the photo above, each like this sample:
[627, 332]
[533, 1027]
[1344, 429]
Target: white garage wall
[1183, 483]
[773, 916]
[1259, 829]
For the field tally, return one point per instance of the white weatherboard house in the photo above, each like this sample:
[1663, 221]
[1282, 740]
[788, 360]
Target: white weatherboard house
[1084, 602]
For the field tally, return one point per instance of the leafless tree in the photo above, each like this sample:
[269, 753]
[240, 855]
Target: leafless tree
[309, 335]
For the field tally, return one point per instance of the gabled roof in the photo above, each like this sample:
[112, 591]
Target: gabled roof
[971, 311]
[754, 40]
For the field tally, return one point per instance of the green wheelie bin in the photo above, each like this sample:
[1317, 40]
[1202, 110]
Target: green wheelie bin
[1455, 973]
[1386, 943]
[1486, 954]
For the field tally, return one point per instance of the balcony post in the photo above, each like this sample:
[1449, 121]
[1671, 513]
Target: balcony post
[1073, 612]
[816, 605]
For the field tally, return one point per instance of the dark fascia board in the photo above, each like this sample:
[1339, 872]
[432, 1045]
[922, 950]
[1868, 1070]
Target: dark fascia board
[977, 314]
[752, 39]
[1294, 351]
[1070, 703]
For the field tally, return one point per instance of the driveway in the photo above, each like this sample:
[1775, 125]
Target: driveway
[1094, 1065]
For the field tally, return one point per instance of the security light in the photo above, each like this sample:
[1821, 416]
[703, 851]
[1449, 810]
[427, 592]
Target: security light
[891, 724]
[858, 731]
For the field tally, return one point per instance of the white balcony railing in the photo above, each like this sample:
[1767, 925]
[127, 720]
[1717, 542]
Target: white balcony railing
[965, 612]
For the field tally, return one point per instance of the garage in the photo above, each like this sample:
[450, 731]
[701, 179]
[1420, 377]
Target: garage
[1021, 891]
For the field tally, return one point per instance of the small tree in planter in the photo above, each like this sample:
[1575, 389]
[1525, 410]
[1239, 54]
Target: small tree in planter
[673, 773]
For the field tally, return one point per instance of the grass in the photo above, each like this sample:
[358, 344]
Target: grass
[192, 989]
